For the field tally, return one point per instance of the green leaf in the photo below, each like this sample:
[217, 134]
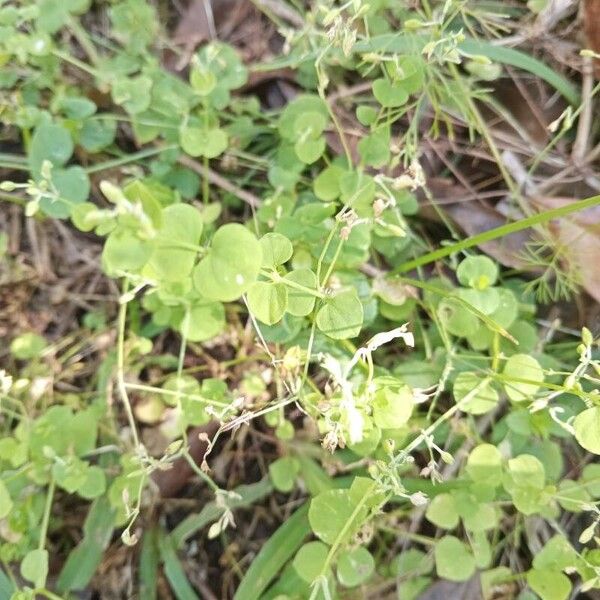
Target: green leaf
[327, 183]
[83, 561]
[341, 317]
[276, 249]
[135, 23]
[548, 584]
[310, 559]
[456, 318]
[283, 473]
[527, 471]
[442, 511]
[571, 496]
[49, 142]
[124, 252]
[388, 94]
[34, 567]
[478, 272]
[181, 226]
[198, 141]
[309, 150]
[94, 484]
[132, 93]
[273, 555]
[203, 321]
[374, 148]
[556, 555]
[6, 502]
[174, 571]
[332, 514]
[522, 366]
[587, 429]
[98, 133]
[231, 266]
[268, 301]
[392, 408]
[354, 567]
[453, 560]
[301, 303]
[484, 464]
[483, 401]
[27, 346]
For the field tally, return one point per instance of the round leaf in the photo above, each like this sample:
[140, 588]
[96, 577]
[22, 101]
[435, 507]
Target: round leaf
[483, 401]
[181, 226]
[522, 366]
[484, 464]
[587, 429]
[478, 272]
[309, 560]
[341, 317]
[231, 266]
[301, 303]
[276, 249]
[355, 566]
[268, 301]
[453, 560]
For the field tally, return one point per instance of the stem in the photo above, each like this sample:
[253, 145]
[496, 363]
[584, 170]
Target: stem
[46, 517]
[497, 232]
[121, 369]
[124, 160]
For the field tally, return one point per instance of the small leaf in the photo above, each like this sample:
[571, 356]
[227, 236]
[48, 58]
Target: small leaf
[34, 567]
[276, 249]
[549, 584]
[231, 266]
[341, 317]
[478, 272]
[389, 95]
[268, 301]
[197, 141]
[310, 150]
[174, 253]
[484, 464]
[392, 408]
[309, 560]
[354, 567]
[453, 560]
[301, 303]
[587, 429]
[204, 320]
[283, 473]
[442, 511]
[329, 515]
[49, 142]
[482, 402]
[522, 366]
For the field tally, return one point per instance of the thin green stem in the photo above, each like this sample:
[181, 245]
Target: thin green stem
[46, 516]
[121, 368]
[129, 158]
[492, 234]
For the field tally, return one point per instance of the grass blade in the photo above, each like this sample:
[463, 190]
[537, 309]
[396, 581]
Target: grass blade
[281, 546]
[492, 234]
[174, 571]
[87, 555]
[149, 562]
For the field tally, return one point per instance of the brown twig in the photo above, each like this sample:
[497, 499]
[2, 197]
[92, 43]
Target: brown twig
[219, 181]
